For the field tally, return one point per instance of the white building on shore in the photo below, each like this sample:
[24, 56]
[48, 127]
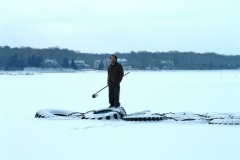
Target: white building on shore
[50, 63]
[157, 64]
[80, 64]
[96, 64]
[124, 63]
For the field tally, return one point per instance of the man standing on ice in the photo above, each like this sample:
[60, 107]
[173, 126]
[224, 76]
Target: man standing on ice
[115, 75]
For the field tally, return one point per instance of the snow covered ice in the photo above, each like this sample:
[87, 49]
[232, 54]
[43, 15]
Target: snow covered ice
[24, 137]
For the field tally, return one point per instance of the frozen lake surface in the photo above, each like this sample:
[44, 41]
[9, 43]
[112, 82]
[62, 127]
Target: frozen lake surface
[24, 137]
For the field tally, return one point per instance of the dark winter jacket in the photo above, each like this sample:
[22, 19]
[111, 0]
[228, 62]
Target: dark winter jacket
[115, 73]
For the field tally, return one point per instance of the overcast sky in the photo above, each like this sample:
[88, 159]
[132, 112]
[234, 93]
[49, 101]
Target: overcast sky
[107, 26]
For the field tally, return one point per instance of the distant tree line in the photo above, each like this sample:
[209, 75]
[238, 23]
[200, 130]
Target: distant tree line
[18, 58]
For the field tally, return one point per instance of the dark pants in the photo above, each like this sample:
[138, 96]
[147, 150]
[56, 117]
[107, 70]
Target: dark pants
[114, 92]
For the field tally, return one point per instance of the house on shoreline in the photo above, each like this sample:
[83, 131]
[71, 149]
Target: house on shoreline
[50, 63]
[160, 64]
[80, 64]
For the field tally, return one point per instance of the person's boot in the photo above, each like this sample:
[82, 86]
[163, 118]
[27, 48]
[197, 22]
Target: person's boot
[117, 105]
[111, 106]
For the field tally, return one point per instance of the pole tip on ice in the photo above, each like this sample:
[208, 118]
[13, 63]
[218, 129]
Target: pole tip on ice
[94, 95]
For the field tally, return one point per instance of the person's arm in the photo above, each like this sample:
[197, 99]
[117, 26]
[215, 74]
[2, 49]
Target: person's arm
[108, 77]
[121, 73]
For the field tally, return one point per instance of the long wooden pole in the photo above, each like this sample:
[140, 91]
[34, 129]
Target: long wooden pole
[95, 95]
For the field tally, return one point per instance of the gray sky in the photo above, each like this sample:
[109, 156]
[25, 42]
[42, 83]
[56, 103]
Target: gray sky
[107, 26]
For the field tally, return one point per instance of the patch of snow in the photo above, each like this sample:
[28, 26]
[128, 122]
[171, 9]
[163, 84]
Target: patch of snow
[25, 137]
